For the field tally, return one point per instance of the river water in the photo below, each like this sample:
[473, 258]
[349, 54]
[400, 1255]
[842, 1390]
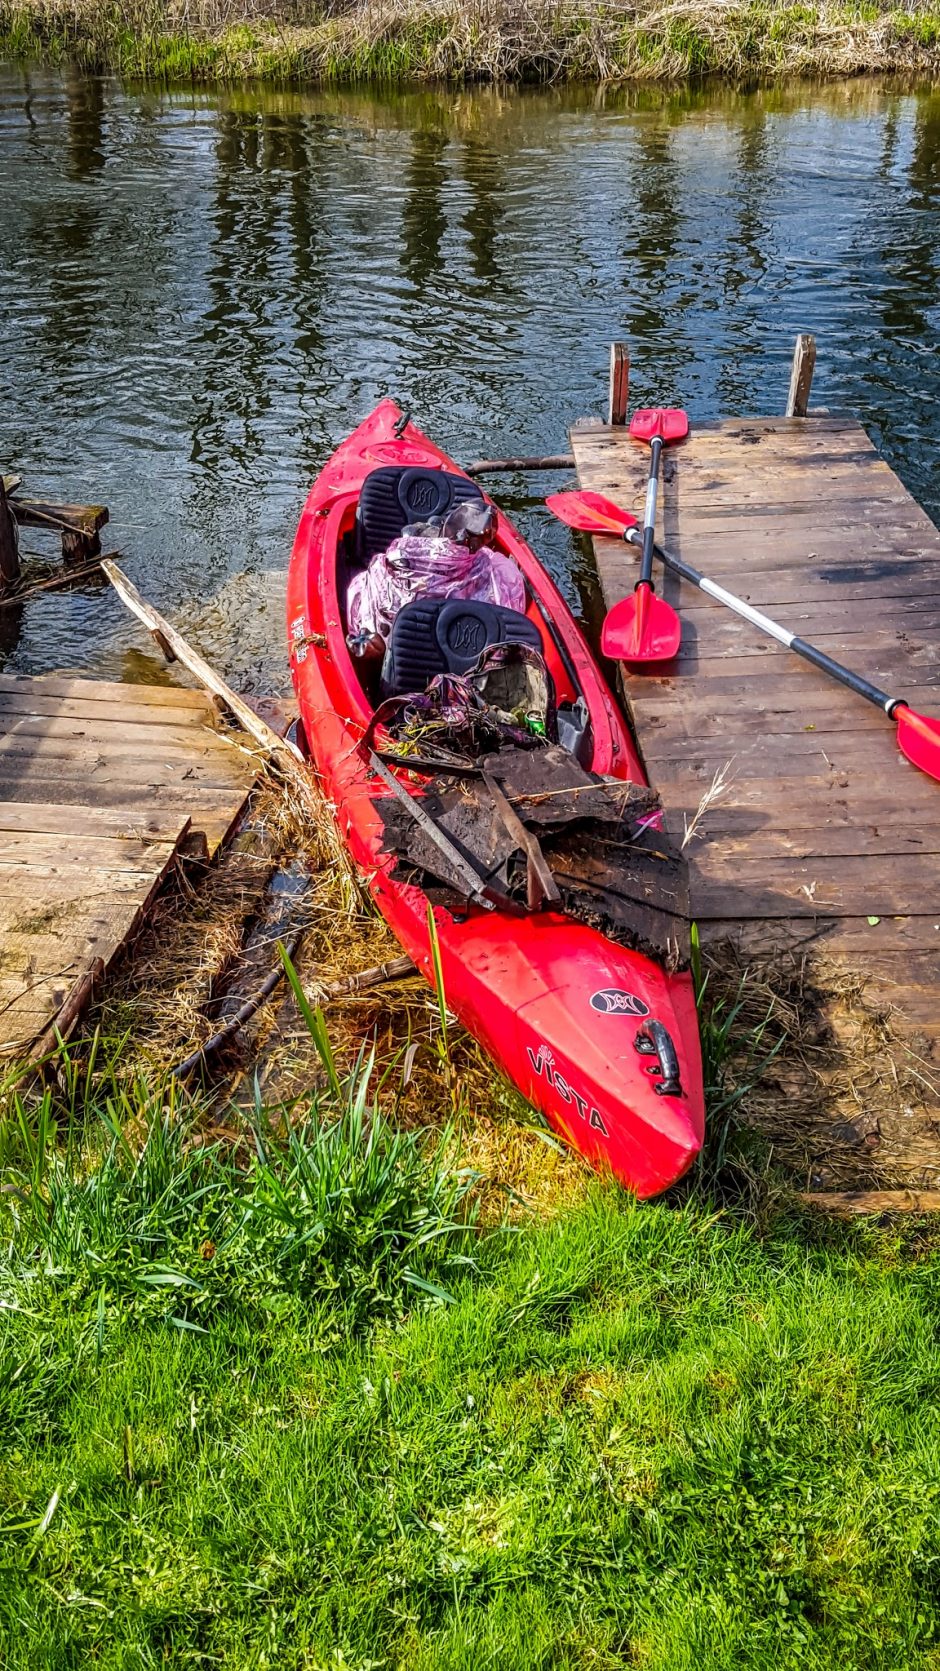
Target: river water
[201, 293]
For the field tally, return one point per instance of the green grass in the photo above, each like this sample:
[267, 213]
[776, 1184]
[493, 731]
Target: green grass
[636, 1437]
[293, 1407]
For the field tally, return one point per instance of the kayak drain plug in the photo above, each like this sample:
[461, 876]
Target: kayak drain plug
[653, 1039]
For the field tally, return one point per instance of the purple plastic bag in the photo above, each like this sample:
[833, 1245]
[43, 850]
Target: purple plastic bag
[429, 565]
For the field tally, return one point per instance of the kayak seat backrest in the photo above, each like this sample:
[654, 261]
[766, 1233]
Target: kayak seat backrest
[447, 635]
[396, 495]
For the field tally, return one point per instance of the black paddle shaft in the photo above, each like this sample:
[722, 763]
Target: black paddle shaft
[649, 515]
[799, 646]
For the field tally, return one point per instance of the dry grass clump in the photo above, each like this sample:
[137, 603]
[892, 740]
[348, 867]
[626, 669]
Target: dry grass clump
[215, 935]
[811, 1063]
[476, 40]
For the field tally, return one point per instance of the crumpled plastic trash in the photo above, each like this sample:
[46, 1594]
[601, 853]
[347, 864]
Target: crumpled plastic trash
[428, 565]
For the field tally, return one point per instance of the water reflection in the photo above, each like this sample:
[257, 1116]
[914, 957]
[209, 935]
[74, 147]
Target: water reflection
[202, 294]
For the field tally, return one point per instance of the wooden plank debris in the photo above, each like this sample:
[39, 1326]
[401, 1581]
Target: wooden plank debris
[100, 786]
[166, 634]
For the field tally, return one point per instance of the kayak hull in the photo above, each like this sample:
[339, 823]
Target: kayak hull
[554, 1003]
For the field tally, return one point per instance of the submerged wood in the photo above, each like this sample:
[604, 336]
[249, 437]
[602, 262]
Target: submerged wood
[9, 551]
[157, 624]
[56, 582]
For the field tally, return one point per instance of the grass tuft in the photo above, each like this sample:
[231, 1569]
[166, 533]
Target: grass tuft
[118, 1211]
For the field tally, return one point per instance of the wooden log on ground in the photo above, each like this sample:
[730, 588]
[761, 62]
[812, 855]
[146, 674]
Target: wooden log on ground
[550, 461]
[9, 551]
[853, 1203]
[618, 400]
[161, 630]
[62, 1025]
[801, 376]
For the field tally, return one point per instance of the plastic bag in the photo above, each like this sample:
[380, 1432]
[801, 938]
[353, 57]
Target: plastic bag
[428, 565]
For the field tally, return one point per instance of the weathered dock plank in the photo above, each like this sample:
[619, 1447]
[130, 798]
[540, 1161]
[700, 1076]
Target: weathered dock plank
[99, 783]
[825, 839]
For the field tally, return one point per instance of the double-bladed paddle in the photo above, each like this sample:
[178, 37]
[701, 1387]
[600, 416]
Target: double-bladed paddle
[918, 737]
[649, 630]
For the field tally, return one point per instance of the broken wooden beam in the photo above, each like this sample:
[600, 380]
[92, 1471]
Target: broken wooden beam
[79, 525]
[165, 634]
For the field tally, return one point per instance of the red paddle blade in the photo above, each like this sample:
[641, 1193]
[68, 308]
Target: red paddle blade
[919, 739]
[669, 422]
[642, 628]
[591, 513]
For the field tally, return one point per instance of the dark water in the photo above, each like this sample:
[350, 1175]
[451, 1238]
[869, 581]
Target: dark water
[202, 294]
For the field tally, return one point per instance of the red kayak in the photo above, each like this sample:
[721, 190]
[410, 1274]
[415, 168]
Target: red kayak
[568, 1015]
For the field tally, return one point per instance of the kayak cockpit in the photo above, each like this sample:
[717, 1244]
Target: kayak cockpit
[403, 629]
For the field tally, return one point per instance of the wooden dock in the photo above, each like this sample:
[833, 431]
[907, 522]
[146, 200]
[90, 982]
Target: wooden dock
[100, 786]
[825, 841]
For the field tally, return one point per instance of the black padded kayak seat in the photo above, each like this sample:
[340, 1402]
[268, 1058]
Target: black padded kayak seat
[447, 635]
[395, 495]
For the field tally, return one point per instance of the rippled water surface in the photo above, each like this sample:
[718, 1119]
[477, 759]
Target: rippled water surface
[201, 294]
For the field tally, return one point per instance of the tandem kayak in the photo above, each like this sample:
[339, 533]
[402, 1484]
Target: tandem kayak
[563, 1011]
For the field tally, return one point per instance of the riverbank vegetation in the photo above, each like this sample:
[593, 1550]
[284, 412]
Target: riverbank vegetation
[338, 1361]
[330, 41]
[294, 1401]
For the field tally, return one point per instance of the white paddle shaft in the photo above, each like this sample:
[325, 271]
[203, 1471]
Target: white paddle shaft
[773, 629]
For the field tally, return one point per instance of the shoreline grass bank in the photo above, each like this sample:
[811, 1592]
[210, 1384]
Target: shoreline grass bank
[297, 1406]
[348, 1367]
[478, 41]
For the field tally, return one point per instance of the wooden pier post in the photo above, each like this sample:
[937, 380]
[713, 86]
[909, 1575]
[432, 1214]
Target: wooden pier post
[619, 396]
[801, 376]
[9, 551]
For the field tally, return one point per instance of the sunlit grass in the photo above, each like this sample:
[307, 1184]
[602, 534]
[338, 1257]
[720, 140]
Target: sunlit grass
[636, 1436]
[288, 1403]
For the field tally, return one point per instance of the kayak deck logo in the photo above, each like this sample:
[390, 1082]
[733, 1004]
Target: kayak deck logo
[613, 1000]
[543, 1063]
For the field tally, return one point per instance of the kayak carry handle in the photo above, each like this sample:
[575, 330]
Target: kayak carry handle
[653, 1039]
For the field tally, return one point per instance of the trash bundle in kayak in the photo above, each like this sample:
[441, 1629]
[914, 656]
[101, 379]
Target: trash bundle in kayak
[537, 828]
[478, 762]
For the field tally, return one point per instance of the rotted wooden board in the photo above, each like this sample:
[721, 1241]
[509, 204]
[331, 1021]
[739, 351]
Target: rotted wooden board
[825, 839]
[99, 783]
